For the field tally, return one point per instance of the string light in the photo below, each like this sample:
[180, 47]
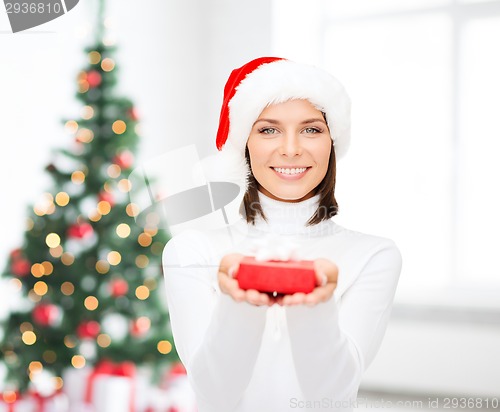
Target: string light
[71, 126]
[103, 340]
[56, 251]
[87, 112]
[10, 357]
[142, 292]
[67, 288]
[114, 258]
[144, 239]
[119, 127]
[83, 85]
[94, 57]
[9, 397]
[52, 240]
[114, 171]
[91, 303]
[107, 64]
[62, 199]
[164, 347]
[44, 205]
[40, 288]
[103, 207]
[67, 258]
[33, 296]
[58, 382]
[85, 135]
[124, 185]
[35, 366]
[28, 337]
[29, 224]
[108, 187]
[37, 270]
[78, 361]
[25, 326]
[151, 231]
[132, 210]
[69, 341]
[102, 267]
[123, 230]
[95, 216]
[78, 177]
[16, 284]
[141, 261]
[48, 268]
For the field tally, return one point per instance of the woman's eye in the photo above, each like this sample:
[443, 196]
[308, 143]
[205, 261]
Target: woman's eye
[312, 130]
[268, 130]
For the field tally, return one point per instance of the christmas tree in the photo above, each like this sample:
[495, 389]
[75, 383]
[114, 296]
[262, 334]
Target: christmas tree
[89, 277]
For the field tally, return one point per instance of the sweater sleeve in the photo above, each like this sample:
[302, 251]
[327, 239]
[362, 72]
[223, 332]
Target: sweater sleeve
[335, 341]
[217, 348]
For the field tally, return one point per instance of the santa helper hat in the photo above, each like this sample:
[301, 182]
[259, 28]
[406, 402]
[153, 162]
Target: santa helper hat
[258, 84]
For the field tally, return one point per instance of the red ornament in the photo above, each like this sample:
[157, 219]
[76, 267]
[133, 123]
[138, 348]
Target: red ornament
[88, 329]
[132, 114]
[124, 159]
[140, 326]
[94, 78]
[46, 314]
[80, 230]
[16, 254]
[118, 287]
[20, 267]
[177, 369]
[106, 197]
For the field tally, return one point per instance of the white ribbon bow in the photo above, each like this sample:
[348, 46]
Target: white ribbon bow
[274, 247]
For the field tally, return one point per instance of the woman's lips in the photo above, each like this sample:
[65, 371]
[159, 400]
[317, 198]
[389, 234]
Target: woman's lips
[291, 176]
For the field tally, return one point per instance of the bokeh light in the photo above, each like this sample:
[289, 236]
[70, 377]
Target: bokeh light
[142, 292]
[164, 347]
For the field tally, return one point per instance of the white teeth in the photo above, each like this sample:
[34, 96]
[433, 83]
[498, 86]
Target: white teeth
[288, 171]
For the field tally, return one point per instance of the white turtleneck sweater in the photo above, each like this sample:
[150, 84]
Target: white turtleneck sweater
[246, 358]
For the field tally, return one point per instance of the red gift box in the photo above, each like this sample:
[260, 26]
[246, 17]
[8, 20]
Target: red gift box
[284, 277]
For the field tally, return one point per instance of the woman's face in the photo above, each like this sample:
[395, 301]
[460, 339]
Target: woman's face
[289, 148]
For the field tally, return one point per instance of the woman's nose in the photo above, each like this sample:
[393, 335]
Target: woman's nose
[290, 145]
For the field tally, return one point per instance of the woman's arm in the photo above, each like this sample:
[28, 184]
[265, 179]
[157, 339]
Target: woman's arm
[217, 338]
[332, 343]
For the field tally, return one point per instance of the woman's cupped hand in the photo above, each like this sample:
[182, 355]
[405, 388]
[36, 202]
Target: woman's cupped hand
[326, 282]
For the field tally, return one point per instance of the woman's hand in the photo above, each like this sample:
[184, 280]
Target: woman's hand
[229, 265]
[326, 278]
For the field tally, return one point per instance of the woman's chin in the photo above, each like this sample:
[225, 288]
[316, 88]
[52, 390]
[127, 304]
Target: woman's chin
[289, 195]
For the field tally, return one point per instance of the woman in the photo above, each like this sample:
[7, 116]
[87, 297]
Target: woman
[285, 124]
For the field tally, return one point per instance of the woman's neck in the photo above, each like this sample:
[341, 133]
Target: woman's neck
[290, 218]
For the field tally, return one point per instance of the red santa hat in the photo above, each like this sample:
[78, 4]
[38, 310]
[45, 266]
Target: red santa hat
[270, 80]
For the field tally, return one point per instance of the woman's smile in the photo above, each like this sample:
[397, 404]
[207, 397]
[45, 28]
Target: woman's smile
[291, 173]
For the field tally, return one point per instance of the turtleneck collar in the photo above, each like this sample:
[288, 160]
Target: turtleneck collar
[290, 218]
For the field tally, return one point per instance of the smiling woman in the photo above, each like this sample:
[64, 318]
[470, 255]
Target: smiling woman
[247, 349]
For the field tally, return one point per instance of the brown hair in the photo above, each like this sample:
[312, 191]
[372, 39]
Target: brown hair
[327, 205]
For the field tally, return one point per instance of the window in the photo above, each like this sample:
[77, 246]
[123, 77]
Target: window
[423, 166]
